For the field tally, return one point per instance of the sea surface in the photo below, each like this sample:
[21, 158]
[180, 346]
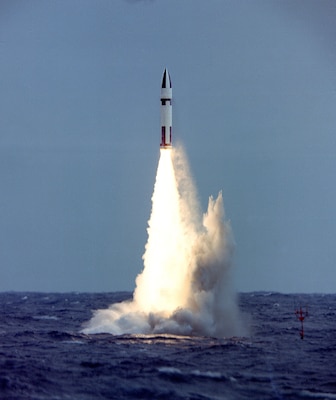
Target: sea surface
[43, 355]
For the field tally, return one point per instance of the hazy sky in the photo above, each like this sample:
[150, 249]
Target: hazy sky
[254, 85]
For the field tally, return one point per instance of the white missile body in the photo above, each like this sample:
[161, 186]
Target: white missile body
[166, 111]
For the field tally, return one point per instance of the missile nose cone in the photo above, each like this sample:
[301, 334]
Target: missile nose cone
[166, 81]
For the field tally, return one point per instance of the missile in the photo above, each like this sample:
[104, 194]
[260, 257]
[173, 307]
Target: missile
[166, 111]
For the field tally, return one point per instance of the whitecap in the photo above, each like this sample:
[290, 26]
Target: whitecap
[48, 317]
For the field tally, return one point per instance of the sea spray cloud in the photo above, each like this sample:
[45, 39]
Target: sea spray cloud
[185, 287]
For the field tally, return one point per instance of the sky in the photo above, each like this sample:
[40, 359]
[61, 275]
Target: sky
[254, 86]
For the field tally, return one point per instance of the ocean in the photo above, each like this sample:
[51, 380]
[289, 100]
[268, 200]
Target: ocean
[44, 355]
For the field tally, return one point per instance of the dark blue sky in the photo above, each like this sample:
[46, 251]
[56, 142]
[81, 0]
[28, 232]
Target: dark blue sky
[254, 106]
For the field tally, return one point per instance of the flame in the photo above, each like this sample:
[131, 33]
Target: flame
[162, 286]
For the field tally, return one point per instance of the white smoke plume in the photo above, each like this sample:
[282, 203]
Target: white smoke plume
[185, 287]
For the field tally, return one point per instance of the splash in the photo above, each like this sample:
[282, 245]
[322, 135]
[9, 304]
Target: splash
[185, 287]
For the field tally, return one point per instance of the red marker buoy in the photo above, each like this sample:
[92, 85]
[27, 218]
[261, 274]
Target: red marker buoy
[301, 315]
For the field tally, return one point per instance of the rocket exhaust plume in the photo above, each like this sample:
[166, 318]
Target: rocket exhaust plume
[185, 287]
